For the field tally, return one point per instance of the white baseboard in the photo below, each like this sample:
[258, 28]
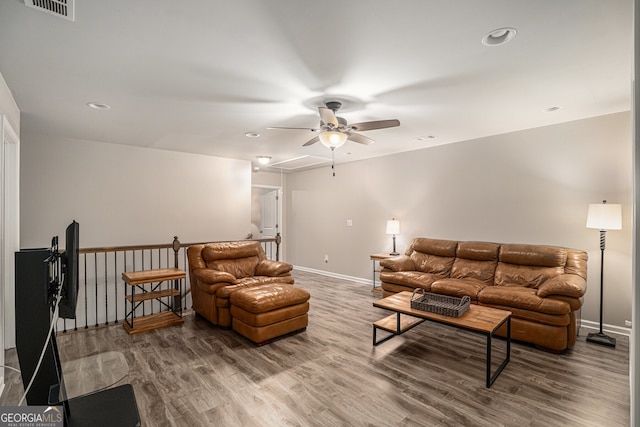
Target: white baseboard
[586, 324]
[334, 275]
[612, 329]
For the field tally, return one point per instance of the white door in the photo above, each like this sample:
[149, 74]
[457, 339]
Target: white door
[269, 226]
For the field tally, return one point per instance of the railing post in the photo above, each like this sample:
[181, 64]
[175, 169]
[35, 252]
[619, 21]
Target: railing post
[278, 240]
[176, 249]
[177, 300]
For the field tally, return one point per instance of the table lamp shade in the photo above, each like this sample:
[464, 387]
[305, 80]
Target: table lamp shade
[393, 226]
[604, 216]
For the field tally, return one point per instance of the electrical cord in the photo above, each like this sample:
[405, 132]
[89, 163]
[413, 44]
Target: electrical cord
[54, 319]
[10, 367]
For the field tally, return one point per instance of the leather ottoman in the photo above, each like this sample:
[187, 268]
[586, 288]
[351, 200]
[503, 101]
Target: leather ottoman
[265, 312]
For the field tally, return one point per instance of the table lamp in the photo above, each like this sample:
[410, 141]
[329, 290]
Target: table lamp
[393, 228]
[603, 217]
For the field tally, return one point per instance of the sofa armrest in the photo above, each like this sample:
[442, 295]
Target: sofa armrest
[209, 276]
[398, 263]
[570, 285]
[272, 268]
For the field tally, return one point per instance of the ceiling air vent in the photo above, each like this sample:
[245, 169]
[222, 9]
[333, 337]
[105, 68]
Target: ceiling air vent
[62, 8]
[300, 162]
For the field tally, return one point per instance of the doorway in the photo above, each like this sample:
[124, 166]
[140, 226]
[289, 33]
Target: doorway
[266, 212]
[9, 233]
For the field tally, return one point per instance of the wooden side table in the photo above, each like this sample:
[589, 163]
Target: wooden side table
[376, 258]
[137, 280]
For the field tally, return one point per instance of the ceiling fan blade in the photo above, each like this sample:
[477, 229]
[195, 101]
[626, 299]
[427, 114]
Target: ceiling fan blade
[376, 124]
[361, 139]
[290, 128]
[328, 116]
[311, 141]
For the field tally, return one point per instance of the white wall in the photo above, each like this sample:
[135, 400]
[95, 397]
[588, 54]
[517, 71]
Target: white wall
[532, 186]
[124, 195]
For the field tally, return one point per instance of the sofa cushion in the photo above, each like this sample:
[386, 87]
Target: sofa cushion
[239, 268]
[433, 264]
[253, 281]
[432, 255]
[561, 320]
[472, 269]
[261, 299]
[458, 287]
[414, 279]
[481, 251]
[526, 276]
[390, 289]
[533, 255]
[445, 248]
[523, 298]
[231, 250]
[237, 258]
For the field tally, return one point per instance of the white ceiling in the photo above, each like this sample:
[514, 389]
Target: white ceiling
[196, 75]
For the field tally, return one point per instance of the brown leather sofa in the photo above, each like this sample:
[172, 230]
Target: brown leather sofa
[542, 286]
[216, 270]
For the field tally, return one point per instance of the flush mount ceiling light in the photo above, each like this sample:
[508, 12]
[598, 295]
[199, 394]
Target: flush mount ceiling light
[252, 135]
[98, 106]
[499, 36]
[333, 139]
[263, 160]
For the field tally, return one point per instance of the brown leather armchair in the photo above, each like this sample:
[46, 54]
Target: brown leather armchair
[218, 269]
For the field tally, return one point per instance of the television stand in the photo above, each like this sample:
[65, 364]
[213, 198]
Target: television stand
[114, 407]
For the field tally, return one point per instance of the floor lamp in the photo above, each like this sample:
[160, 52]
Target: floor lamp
[393, 227]
[603, 217]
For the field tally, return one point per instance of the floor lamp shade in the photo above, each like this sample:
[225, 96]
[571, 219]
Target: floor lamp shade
[603, 217]
[393, 228]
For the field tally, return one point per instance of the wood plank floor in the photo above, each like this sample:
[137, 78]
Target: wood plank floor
[330, 375]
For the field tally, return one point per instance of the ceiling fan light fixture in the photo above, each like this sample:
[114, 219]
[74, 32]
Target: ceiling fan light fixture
[333, 139]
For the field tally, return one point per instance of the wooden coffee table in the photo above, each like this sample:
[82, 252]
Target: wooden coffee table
[479, 319]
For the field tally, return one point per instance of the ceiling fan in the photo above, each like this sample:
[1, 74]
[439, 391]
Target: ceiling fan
[334, 131]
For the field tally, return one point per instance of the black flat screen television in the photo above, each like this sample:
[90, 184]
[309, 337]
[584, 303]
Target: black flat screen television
[70, 269]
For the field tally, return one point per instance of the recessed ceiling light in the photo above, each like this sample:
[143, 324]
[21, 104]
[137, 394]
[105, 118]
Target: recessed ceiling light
[424, 138]
[551, 109]
[98, 106]
[252, 135]
[499, 36]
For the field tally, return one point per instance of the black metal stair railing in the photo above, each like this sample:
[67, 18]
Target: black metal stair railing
[101, 294]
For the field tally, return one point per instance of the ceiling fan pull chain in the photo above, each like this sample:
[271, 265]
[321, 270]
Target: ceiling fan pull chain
[333, 160]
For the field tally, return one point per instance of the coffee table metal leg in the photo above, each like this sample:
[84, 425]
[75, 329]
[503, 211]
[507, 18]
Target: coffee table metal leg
[398, 331]
[491, 378]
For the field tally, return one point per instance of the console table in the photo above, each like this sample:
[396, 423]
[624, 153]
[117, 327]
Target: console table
[137, 280]
[376, 258]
